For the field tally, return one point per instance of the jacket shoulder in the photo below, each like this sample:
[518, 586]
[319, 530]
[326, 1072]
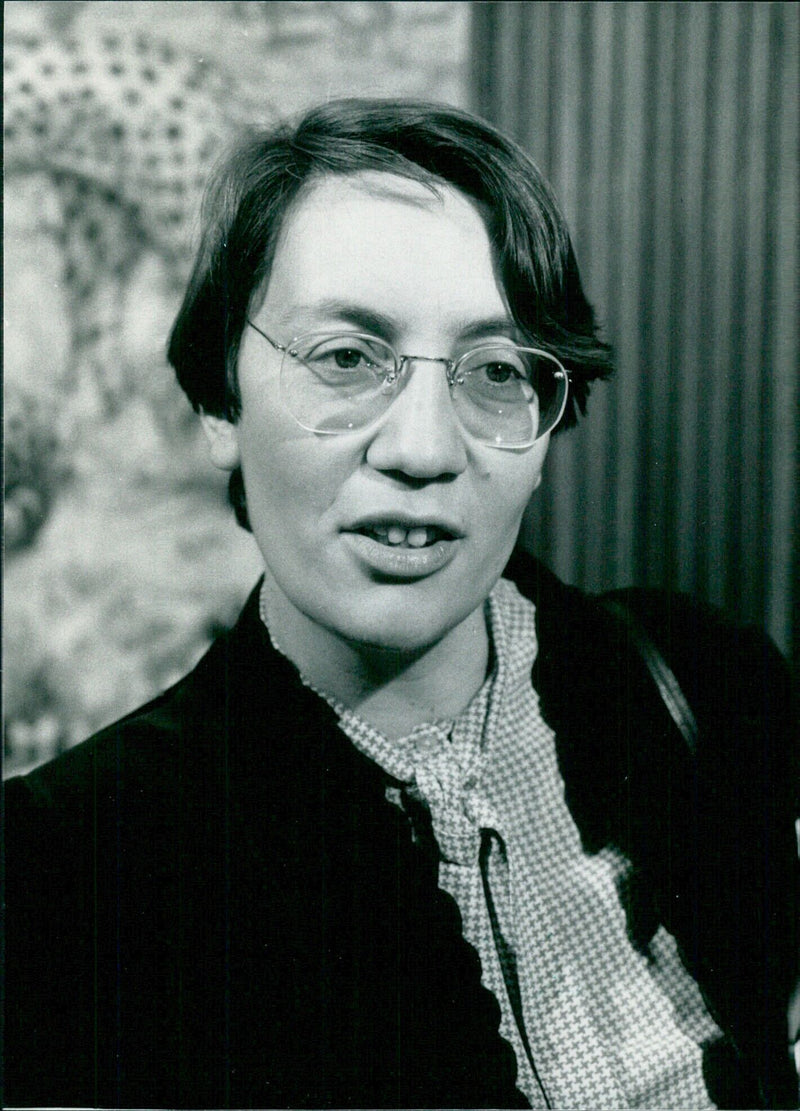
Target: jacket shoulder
[147, 744]
[735, 680]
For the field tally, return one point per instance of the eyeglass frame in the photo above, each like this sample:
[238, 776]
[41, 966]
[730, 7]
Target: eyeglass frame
[400, 361]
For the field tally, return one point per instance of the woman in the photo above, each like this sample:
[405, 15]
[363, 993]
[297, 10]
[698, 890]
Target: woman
[420, 830]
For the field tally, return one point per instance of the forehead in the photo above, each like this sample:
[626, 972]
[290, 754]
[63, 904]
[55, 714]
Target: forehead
[408, 251]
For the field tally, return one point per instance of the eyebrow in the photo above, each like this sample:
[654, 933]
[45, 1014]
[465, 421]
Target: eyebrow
[365, 319]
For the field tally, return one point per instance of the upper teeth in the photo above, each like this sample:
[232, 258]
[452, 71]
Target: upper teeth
[395, 535]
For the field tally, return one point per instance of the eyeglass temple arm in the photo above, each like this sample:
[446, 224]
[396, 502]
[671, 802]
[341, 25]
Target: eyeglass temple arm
[277, 346]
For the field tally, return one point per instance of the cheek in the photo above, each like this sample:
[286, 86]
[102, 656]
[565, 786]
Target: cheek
[281, 489]
[272, 478]
[291, 480]
[507, 483]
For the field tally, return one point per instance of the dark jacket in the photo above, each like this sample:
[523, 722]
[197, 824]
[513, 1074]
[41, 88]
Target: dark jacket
[211, 904]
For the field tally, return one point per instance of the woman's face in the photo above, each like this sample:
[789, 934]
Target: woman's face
[377, 253]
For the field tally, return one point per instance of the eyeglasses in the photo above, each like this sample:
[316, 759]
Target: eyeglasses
[504, 395]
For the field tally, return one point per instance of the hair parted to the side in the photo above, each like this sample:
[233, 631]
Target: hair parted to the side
[252, 191]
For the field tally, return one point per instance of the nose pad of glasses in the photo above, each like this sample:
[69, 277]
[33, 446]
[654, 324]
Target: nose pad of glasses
[389, 383]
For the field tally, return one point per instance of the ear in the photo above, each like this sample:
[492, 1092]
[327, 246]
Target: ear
[223, 441]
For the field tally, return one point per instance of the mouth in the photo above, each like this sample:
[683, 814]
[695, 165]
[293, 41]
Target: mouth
[395, 549]
[402, 536]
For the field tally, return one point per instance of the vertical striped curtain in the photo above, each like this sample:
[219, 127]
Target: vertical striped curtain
[670, 134]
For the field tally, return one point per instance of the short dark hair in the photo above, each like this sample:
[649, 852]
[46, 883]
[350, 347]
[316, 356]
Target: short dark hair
[253, 189]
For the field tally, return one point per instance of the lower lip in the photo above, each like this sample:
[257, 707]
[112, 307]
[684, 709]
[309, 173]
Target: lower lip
[401, 562]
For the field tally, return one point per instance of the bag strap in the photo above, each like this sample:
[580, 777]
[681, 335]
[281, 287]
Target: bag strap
[662, 674]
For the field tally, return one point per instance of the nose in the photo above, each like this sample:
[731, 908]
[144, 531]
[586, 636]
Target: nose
[420, 436]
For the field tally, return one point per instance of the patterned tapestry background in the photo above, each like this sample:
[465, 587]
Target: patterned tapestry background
[122, 558]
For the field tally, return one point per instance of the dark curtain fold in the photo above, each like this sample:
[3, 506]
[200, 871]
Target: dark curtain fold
[670, 134]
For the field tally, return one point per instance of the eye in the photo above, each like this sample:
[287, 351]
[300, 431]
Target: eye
[346, 353]
[337, 353]
[496, 374]
[496, 364]
[347, 357]
[502, 372]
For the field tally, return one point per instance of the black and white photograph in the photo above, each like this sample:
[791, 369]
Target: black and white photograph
[401, 604]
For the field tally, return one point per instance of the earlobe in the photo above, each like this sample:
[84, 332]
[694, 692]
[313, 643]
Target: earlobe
[223, 441]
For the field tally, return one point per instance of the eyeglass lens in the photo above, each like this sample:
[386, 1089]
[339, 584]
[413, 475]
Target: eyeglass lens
[504, 395]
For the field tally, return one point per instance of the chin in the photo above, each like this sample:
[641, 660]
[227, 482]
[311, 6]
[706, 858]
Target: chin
[400, 630]
[401, 642]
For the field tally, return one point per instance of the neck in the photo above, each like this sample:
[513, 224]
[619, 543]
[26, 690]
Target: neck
[394, 690]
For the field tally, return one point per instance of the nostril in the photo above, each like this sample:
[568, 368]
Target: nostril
[416, 481]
